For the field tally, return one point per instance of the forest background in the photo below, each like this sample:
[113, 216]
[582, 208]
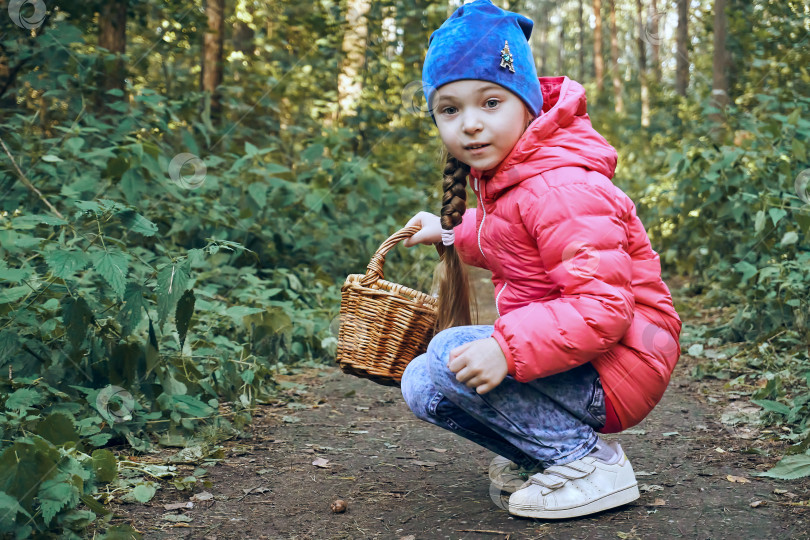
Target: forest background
[184, 187]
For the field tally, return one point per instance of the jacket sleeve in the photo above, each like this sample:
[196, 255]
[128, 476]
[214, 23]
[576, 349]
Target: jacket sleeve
[582, 241]
[466, 240]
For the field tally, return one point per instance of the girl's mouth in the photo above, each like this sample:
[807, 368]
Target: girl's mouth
[477, 149]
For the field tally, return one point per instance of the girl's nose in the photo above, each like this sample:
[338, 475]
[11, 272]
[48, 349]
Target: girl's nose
[471, 123]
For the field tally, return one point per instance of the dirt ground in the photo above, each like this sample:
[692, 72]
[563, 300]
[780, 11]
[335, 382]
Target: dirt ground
[405, 479]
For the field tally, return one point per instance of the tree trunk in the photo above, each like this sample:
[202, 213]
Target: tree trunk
[561, 45]
[213, 40]
[682, 66]
[618, 104]
[654, 31]
[581, 42]
[642, 65]
[720, 60]
[354, 52]
[543, 67]
[243, 38]
[598, 60]
[112, 35]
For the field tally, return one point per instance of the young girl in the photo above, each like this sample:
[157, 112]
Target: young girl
[586, 336]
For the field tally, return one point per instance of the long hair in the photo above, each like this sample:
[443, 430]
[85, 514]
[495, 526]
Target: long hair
[451, 277]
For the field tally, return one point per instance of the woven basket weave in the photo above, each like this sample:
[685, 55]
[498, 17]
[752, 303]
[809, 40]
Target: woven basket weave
[383, 325]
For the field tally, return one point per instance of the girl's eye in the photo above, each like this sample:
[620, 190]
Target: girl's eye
[446, 109]
[491, 101]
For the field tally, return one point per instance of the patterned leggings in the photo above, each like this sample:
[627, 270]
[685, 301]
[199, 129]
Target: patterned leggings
[545, 422]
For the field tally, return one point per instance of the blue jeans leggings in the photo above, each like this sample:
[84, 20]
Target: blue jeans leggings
[545, 422]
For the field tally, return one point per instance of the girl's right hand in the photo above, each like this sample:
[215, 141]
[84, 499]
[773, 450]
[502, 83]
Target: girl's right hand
[430, 233]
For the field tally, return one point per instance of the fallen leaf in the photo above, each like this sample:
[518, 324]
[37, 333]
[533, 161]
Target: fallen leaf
[321, 462]
[177, 518]
[670, 434]
[780, 491]
[658, 502]
[361, 408]
[650, 487]
[257, 489]
[440, 450]
[425, 463]
[645, 473]
[737, 479]
[409, 537]
[179, 506]
[757, 504]
[358, 431]
[202, 496]
[290, 419]
[634, 431]
[719, 450]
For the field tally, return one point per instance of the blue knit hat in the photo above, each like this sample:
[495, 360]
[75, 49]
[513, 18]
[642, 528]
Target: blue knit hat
[482, 41]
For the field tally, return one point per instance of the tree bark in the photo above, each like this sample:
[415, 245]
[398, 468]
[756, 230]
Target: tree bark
[720, 60]
[543, 67]
[561, 44]
[213, 41]
[112, 35]
[598, 59]
[354, 51]
[581, 42]
[682, 61]
[642, 65]
[654, 31]
[618, 103]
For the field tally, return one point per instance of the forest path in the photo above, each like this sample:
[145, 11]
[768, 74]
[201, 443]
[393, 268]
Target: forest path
[405, 479]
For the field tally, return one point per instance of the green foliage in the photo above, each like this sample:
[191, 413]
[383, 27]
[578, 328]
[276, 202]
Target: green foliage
[157, 295]
[154, 300]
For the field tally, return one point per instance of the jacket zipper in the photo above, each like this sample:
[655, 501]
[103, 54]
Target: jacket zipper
[497, 298]
[484, 208]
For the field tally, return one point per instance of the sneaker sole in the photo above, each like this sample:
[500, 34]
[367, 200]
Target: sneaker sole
[618, 498]
[501, 487]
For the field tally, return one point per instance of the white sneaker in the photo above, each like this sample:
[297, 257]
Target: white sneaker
[582, 487]
[507, 475]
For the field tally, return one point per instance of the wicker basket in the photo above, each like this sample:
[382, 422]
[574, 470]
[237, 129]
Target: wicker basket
[383, 325]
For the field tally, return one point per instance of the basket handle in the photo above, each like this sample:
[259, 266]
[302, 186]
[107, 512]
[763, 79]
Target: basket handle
[374, 270]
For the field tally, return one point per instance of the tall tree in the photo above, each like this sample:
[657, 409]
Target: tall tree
[213, 40]
[598, 60]
[682, 61]
[654, 31]
[561, 42]
[354, 52]
[618, 103]
[581, 41]
[541, 37]
[112, 35]
[642, 65]
[720, 61]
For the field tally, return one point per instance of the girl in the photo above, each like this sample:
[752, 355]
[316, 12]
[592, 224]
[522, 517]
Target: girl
[586, 336]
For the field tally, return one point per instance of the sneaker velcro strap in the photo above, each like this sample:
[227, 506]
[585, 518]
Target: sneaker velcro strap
[546, 481]
[573, 470]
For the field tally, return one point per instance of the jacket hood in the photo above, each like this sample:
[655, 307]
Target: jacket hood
[562, 136]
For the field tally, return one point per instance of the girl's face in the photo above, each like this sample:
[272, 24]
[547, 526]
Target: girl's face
[472, 113]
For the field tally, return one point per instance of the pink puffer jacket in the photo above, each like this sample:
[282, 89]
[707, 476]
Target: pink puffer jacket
[575, 277]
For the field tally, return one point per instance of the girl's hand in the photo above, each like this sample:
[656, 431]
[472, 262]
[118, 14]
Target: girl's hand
[479, 364]
[430, 233]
